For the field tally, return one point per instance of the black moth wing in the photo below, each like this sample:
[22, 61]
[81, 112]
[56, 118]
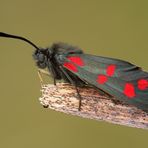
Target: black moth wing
[118, 78]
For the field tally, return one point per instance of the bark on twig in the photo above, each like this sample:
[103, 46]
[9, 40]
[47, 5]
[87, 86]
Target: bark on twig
[94, 105]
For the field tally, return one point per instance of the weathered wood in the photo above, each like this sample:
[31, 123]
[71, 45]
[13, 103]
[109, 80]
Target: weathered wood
[63, 98]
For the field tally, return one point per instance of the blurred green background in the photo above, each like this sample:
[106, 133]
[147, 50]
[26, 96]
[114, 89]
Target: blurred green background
[113, 28]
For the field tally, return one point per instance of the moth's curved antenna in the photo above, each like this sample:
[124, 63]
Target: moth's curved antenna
[2, 34]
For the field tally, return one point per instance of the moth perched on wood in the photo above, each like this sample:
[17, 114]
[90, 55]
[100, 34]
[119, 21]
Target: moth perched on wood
[115, 77]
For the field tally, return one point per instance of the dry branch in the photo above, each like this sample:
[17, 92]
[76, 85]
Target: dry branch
[94, 105]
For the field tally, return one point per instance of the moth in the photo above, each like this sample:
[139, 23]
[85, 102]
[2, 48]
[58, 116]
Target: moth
[118, 78]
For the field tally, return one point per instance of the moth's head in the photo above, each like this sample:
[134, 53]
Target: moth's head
[41, 57]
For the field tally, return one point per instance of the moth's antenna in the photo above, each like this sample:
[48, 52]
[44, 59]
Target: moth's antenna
[2, 34]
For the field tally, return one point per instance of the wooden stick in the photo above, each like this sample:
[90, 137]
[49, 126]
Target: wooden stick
[94, 105]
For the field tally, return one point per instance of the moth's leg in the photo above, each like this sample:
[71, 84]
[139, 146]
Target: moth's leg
[69, 78]
[40, 71]
[54, 81]
[52, 73]
[40, 77]
[44, 72]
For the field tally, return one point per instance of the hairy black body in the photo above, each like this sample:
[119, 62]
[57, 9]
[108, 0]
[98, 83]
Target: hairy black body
[53, 59]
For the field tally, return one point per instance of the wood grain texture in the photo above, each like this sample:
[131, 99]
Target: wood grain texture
[95, 105]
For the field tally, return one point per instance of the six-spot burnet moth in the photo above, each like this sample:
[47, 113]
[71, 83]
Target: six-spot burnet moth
[119, 78]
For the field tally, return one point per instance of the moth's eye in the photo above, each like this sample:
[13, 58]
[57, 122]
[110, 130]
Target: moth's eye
[41, 57]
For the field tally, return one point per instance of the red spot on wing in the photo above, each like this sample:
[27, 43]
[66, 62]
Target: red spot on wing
[129, 90]
[70, 66]
[110, 70]
[101, 79]
[143, 84]
[77, 60]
